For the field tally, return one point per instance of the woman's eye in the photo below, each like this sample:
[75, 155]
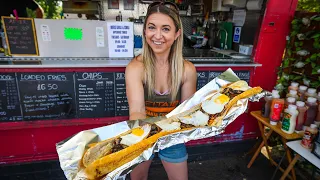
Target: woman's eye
[151, 27]
[166, 29]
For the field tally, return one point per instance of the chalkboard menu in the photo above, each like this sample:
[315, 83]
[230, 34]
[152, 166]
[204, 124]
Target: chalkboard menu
[9, 98]
[121, 96]
[101, 94]
[206, 76]
[46, 95]
[65, 95]
[95, 94]
[20, 36]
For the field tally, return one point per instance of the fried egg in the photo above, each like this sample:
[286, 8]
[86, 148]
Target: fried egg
[197, 119]
[168, 125]
[137, 135]
[240, 85]
[215, 104]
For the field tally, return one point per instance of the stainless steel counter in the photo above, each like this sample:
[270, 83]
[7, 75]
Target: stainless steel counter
[200, 58]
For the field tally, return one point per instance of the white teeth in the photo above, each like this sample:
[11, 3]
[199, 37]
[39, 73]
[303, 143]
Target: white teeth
[157, 43]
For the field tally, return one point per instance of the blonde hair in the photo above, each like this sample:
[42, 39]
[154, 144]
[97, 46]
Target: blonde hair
[176, 61]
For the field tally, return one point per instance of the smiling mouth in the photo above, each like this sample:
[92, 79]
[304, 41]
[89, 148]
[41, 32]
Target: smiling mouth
[157, 42]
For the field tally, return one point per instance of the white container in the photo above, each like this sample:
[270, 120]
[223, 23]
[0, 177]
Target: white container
[245, 49]
[235, 3]
[289, 119]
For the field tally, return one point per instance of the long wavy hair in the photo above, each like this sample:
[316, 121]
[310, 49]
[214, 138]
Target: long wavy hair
[176, 61]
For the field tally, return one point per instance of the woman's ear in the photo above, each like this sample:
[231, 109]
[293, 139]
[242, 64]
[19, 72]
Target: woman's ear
[178, 33]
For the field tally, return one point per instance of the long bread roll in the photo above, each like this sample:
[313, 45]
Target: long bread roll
[100, 149]
[112, 161]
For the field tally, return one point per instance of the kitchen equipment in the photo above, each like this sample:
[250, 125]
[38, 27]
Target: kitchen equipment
[235, 3]
[217, 6]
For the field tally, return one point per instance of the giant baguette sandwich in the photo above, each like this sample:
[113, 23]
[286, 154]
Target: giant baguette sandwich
[106, 156]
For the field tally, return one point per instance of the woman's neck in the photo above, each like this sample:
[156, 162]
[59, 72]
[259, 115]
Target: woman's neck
[162, 59]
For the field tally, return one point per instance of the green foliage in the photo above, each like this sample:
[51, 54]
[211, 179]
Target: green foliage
[309, 5]
[51, 8]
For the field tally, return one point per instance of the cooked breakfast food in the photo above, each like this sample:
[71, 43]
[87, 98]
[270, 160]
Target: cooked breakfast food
[107, 155]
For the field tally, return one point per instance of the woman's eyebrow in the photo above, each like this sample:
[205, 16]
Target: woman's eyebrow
[166, 26]
[151, 24]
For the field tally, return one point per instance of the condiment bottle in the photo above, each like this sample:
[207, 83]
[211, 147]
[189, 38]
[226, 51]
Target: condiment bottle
[301, 92]
[312, 110]
[276, 107]
[289, 100]
[311, 92]
[302, 109]
[309, 136]
[267, 106]
[293, 86]
[293, 93]
[318, 97]
[289, 119]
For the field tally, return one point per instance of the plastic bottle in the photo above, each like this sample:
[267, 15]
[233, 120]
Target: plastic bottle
[267, 106]
[302, 90]
[311, 92]
[293, 93]
[293, 86]
[289, 100]
[276, 107]
[302, 109]
[318, 97]
[289, 119]
[312, 110]
[309, 136]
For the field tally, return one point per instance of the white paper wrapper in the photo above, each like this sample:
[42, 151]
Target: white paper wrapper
[70, 151]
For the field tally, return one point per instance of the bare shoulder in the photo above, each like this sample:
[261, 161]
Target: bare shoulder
[190, 72]
[189, 67]
[135, 66]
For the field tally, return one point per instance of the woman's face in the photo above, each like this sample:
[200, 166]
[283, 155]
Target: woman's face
[160, 33]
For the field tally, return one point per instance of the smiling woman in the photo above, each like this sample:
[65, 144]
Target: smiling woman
[159, 79]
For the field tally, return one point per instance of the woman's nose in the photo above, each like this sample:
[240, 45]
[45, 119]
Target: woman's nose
[158, 34]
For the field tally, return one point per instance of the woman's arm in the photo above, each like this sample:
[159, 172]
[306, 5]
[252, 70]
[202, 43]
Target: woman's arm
[189, 84]
[134, 89]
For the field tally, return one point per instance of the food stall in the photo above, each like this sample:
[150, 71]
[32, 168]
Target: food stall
[65, 76]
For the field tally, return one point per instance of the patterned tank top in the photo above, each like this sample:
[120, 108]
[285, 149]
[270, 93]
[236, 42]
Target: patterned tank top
[160, 104]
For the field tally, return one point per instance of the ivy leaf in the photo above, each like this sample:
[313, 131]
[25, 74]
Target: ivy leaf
[316, 36]
[291, 59]
[308, 60]
[293, 33]
[301, 43]
[313, 64]
[286, 63]
[289, 52]
[313, 57]
[314, 71]
[298, 48]
[297, 78]
[315, 84]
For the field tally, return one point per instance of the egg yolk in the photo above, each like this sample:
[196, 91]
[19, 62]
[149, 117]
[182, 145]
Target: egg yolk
[137, 131]
[222, 99]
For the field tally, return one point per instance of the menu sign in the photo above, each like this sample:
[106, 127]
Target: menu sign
[9, 98]
[206, 76]
[95, 94]
[46, 95]
[20, 36]
[120, 39]
[122, 108]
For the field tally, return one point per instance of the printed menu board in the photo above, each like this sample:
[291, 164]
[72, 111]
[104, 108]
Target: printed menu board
[20, 36]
